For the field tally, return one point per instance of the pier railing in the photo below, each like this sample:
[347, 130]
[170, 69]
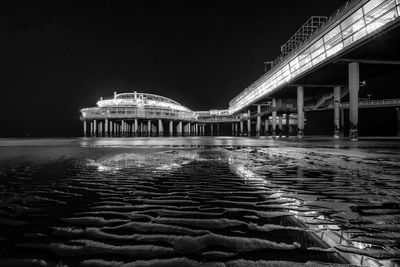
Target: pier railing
[135, 113]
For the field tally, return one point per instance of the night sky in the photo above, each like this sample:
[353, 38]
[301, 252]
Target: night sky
[59, 57]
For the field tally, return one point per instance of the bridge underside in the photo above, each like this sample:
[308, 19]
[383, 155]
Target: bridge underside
[384, 49]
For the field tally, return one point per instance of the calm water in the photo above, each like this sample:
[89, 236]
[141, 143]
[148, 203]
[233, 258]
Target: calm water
[199, 201]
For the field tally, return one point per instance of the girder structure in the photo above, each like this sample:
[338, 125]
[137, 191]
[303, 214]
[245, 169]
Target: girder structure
[354, 24]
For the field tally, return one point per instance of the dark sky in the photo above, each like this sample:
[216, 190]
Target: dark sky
[56, 58]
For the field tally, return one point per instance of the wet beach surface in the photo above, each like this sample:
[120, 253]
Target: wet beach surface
[220, 201]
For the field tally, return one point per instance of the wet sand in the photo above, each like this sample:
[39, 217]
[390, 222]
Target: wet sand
[221, 201]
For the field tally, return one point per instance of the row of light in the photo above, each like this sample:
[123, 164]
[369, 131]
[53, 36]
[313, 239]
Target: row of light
[109, 111]
[367, 19]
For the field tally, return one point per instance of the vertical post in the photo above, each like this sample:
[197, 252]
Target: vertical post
[171, 128]
[300, 112]
[106, 127]
[241, 128]
[287, 125]
[280, 120]
[160, 128]
[149, 127]
[123, 128]
[94, 128]
[217, 129]
[233, 129]
[336, 111]
[236, 129]
[135, 128]
[211, 125]
[197, 130]
[248, 123]
[84, 129]
[179, 129]
[354, 86]
[189, 132]
[266, 125]
[273, 117]
[91, 129]
[258, 125]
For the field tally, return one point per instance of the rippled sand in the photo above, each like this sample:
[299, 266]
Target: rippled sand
[117, 203]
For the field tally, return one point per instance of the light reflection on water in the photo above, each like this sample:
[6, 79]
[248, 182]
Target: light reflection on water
[238, 203]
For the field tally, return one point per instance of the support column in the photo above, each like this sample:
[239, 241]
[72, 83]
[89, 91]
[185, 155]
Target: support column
[287, 125]
[135, 128]
[149, 127]
[91, 129]
[236, 129]
[248, 123]
[241, 128]
[160, 128]
[258, 125]
[189, 132]
[196, 130]
[300, 112]
[123, 128]
[280, 120]
[336, 111]
[106, 127]
[94, 128]
[354, 86]
[273, 117]
[171, 128]
[179, 129]
[212, 130]
[266, 125]
[84, 129]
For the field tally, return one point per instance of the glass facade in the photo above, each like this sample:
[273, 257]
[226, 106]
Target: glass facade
[365, 21]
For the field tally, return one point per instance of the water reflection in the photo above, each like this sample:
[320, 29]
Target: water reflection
[221, 205]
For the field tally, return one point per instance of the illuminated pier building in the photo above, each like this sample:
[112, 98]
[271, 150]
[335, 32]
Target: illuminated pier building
[319, 68]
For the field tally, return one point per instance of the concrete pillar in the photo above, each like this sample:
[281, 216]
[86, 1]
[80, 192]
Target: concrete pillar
[106, 127]
[241, 128]
[196, 129]
[342, 121]
[149, 127]
[160, 128]
[123, 131]
[266, 125]
[135, 127]
[280, 120]
[171, 128]
[212, 130]
[91, 128]
[236, 129]
[233, 129]
[95, 127]
[84, 129]
[258, 124]
[189, 132]
[273, 117]
[300, 112]
[398, 121]
[217, 129]
[179, 128]
[248, 123]
[287, 125]
[354, 86]
[336, 111]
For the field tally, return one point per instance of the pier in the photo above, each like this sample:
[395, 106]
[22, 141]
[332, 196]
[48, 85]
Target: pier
[318, 68]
